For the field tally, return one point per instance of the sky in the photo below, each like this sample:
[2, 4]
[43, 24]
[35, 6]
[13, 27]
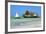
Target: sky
[20, 9]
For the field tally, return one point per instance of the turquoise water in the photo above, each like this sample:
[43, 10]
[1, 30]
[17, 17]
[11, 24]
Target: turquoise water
[25, 22]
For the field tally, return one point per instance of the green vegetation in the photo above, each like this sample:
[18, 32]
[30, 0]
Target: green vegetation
[30, 15]
[27, 14]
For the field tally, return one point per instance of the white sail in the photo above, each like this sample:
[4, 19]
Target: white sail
[17, 15]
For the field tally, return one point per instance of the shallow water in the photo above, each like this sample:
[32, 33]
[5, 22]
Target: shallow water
[25, 23]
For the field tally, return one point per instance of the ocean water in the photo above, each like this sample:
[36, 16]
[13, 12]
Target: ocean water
[25, 23]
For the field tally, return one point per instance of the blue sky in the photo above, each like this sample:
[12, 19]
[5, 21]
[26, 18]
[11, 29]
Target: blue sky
[21, 9]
